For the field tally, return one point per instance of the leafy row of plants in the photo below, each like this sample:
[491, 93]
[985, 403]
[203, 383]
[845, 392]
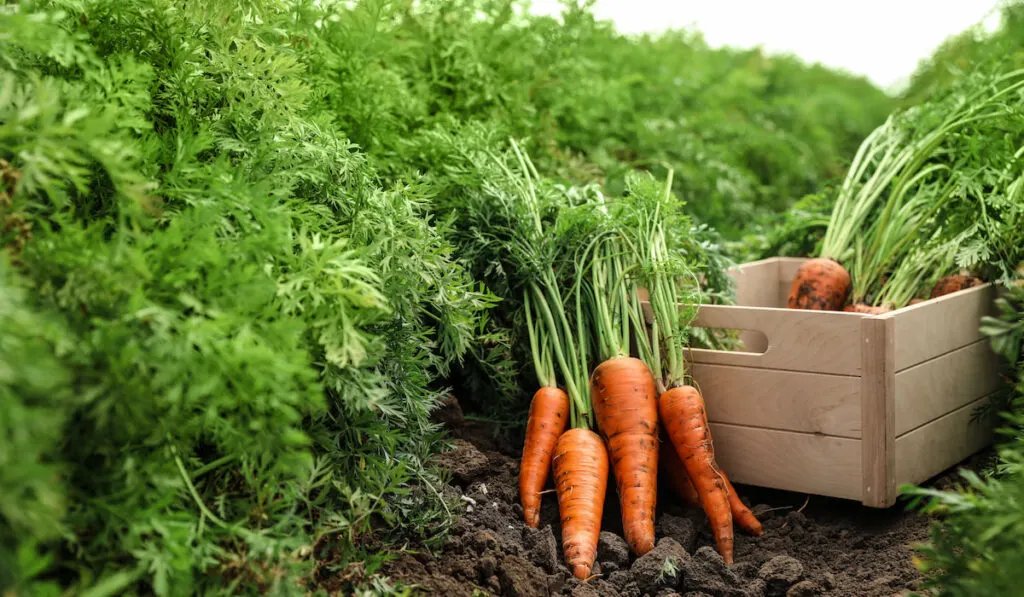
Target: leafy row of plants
[245, 330]
[236, 278]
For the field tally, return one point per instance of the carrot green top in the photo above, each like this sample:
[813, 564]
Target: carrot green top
[553, 338]
[665, 270]
[897, 182]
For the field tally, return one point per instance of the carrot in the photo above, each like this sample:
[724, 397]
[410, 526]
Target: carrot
[676, 473]
[820, 284]
[954, 283]
[580, 467]
[626, 410]
[741, 514]
[549, 415]
[680, 480]
[682, 411]
[869, 309]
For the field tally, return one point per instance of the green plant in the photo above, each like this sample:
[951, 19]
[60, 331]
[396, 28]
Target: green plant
[253, 330]
[981, 526]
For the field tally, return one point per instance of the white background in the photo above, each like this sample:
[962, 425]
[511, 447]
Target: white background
[881, 39]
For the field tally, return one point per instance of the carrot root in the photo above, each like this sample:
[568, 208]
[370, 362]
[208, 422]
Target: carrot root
[625, 403]
[820, 284]
[580, 466]
[682, 412]
[677, 475]
[954, 283]
[868, 309]
[741, 514]
[549, 415]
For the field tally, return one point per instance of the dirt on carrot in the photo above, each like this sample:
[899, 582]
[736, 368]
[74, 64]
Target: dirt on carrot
[821, 546]
[955, 283]
[820, 284]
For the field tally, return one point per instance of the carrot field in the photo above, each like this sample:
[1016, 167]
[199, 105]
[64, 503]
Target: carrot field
[400, 297]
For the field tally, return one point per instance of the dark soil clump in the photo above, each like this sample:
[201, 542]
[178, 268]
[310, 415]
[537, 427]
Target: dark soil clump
[815, 546]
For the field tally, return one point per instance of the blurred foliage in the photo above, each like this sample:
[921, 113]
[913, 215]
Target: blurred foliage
[974, 48]
[745, 133]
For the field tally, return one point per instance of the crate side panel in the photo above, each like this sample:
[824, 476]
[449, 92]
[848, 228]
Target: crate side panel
[803, 462]
[935, 447]
[934, 328]
[787, 268]
[809, 341]
[755, 283]
[786, 400]
[931, 389]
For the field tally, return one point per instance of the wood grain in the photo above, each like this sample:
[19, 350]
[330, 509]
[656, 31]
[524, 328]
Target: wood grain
[933, 388]
[823, 342]
[878, 413]
[791, 401]
[787, 267]
[803, 462]
[755, 283]
[936, 327]
[935, 447]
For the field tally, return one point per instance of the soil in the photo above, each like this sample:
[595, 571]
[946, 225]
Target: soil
[811, 545]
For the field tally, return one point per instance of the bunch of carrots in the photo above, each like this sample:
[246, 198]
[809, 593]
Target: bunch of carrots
[885, 246]
[613, 411]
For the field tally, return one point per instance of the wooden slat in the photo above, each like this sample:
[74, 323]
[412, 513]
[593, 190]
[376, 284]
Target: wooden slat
[806, 402]
[877, 413]
[936, 327]
[931, 389]
[816, 464]
[819, 341]
[935, 447]
[755, 283]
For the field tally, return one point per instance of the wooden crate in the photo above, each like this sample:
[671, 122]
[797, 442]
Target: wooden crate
[845, 404]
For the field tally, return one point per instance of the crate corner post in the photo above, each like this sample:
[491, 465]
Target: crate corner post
[878, 412]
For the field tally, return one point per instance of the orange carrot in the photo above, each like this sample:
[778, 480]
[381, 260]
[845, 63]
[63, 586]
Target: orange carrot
[549, 415]
[580, 467]
[955, 283]
[741, 514]
[669, 462]
[680, 480]
[820, 284]
[869, 309]
[626, 410]
[682, 412]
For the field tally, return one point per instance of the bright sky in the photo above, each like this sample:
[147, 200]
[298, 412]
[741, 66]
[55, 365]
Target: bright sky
[881, 39]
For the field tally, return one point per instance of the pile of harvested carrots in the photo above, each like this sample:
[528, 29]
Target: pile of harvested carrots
[823, 284]
[614, 393]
